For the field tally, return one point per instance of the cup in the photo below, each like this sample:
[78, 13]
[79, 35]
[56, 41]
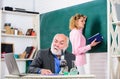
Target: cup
[16, 56]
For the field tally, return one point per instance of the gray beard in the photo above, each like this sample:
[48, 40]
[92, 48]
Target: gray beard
[55, 52]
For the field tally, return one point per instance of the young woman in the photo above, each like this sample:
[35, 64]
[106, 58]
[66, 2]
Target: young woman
[78, 41]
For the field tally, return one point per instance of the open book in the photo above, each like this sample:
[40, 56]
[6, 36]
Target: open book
[97, 36]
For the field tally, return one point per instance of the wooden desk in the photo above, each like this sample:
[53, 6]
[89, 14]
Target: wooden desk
[37, 76]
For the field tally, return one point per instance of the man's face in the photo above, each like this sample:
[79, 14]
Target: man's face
[59, 43]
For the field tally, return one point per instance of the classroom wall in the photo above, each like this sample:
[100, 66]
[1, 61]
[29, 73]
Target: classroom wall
[19, 4]
[44, 6]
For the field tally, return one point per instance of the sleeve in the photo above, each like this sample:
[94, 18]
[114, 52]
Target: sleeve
[36, 64]
[84, 49]
[76, 44]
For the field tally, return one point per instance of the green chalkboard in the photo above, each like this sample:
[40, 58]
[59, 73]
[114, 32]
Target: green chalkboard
[58, 22]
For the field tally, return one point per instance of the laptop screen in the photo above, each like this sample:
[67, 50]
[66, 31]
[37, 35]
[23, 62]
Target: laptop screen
[11, 64]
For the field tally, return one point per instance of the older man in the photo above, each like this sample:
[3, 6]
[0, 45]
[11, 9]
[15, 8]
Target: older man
[47, 61]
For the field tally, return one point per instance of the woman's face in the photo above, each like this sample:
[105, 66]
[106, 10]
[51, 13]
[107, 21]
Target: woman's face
[80, 23]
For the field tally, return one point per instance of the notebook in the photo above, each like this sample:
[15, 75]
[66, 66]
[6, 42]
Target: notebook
[97, 36]
[12, 65]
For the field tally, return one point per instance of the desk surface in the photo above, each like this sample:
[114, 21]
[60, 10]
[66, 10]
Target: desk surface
[86, 76]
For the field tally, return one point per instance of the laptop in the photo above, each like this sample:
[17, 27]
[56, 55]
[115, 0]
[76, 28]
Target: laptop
[12, 65]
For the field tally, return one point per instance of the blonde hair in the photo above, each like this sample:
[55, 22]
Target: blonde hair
[73, 19]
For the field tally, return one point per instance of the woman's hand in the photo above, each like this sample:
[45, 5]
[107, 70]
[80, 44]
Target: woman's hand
[93, 43]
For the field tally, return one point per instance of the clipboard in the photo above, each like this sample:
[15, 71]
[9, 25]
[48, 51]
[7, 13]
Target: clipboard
[97, 36]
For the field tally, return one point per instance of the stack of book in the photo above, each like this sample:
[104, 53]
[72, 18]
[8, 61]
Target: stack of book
[29, 52]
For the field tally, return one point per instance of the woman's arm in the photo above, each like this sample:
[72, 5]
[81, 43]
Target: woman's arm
[77, 47]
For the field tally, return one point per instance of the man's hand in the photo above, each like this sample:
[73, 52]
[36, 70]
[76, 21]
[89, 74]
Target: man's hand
[46, 72]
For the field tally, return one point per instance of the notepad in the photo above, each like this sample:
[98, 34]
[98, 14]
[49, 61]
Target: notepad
[97, 36]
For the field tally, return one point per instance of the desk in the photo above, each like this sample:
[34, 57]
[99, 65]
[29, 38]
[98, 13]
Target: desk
[37, 76]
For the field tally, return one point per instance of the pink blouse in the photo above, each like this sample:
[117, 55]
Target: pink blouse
[79, 46]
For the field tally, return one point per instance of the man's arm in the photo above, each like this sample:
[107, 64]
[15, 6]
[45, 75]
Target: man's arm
[36, 64]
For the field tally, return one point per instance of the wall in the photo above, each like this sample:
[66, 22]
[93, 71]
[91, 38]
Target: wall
[98, 65]
[19, 4]
[44, 6]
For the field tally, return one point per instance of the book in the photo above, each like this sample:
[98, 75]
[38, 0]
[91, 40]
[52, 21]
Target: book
[32, 53]
[97, 36]
[28, 51]
[29, 32]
